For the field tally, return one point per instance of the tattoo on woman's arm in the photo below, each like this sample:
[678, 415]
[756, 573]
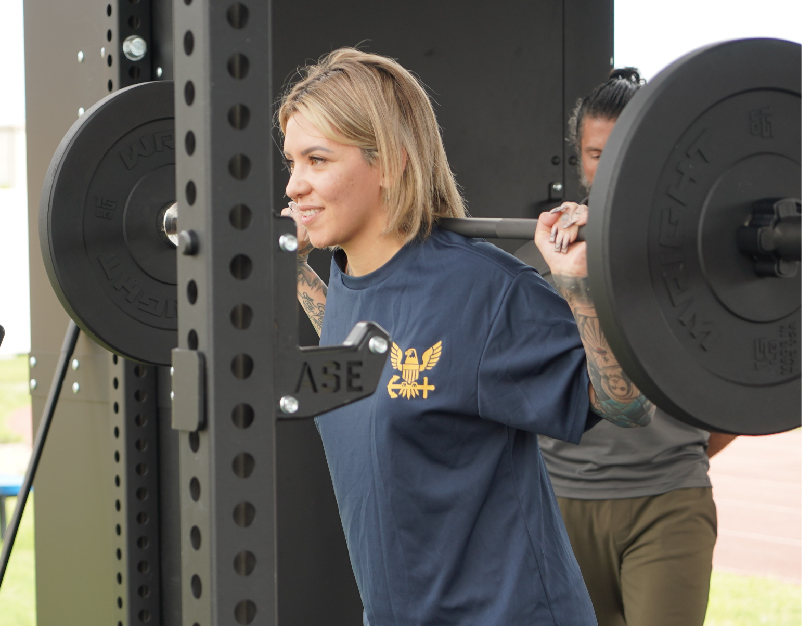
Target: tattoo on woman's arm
[613, 395]
[314, 310]
[312, 294]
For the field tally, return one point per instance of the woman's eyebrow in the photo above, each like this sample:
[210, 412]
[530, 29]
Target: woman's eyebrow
[313, 148]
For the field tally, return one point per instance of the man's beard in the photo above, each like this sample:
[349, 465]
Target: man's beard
[583, 180]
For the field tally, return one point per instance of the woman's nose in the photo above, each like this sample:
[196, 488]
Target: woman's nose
[297, 185]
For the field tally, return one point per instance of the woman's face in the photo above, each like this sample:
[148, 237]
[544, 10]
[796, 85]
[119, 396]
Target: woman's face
[339, 195]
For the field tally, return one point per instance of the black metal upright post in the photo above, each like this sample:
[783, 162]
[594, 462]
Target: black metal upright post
[223, 179]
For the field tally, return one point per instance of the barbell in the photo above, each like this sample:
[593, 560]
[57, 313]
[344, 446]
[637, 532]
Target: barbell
[693, 233]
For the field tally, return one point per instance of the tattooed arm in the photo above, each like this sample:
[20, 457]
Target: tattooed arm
[613, 395]
[311, 290]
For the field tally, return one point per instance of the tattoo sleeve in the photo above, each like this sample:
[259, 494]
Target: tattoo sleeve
[613, 395]
[311, 293]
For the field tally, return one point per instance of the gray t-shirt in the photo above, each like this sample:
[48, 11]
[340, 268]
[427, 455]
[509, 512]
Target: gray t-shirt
[613, 462]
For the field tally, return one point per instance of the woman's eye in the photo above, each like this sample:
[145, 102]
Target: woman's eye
[316, 160]
[289, 166]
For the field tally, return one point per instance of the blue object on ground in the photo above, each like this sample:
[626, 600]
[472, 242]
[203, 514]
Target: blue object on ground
[9, 488]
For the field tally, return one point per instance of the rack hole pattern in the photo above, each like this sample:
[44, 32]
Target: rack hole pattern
[217, 74]
[135, 431]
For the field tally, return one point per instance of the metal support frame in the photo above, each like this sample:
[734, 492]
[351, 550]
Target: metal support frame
[227, 471]
[135, 440]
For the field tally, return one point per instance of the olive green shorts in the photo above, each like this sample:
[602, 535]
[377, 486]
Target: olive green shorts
[646, 561]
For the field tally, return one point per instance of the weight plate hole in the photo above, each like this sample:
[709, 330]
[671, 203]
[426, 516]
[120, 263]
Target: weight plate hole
[144, 616]
[140, 420]
[238, 116]
[110, 85]
[108, 60]
[141, 445]
[244, 563]
[140, 395]
[118, 529]
[189, 142]
[241, 266]
[242, 416]
[238, 65]
[117, 505]
[189, 93]
[195, 538]
[119, 581]
[108, 10]
[189, 42]
[194, 441]
[192, 292]
[142, 493]
[244, 513]
[192, 340]
[116, 430]
[237, 15]
[240, 216]
[134, 22]
[242, 366]
[116, 383]
[243, 465]
[239, 166]
[241, 316]
[142, 518]
[133, 72]
[194, 489]
[140, 371]
[144, 590]
[116, 481]
[142, 543]
[108, 35]
[141, 469]
[143, 567]
[191, 192]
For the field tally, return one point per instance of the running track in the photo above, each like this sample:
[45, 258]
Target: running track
[757, 485]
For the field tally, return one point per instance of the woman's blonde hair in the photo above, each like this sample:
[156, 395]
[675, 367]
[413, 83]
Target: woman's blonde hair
[371, 102]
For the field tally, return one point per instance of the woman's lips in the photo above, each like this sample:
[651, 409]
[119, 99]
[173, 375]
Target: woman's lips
[308, 213]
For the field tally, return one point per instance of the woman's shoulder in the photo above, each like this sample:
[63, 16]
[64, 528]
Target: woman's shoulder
[477, 256]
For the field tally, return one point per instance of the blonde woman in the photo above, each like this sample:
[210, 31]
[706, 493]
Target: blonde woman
[446, 505]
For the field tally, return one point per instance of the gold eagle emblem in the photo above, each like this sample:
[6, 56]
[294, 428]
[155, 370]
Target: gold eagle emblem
[410, 371]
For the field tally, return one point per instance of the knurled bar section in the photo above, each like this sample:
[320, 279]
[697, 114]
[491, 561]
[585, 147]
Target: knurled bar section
[223, 175]
[136, 454]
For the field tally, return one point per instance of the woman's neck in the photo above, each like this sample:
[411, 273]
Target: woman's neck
[369, 254]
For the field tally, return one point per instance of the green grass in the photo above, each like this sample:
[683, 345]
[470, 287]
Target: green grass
[752, 601]
[14, 393]
[18, 593]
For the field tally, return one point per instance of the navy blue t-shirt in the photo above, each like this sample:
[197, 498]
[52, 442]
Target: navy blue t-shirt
[447, 508]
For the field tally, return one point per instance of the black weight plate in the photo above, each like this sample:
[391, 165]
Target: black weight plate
[697, 330]
[110, 266]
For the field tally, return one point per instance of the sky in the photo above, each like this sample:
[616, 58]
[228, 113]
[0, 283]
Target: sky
[649, 35]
